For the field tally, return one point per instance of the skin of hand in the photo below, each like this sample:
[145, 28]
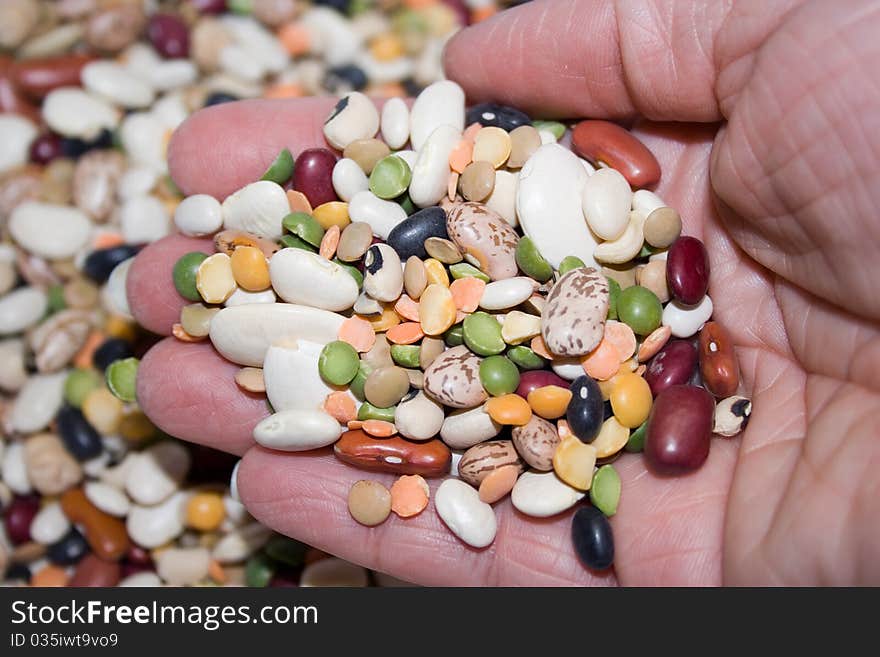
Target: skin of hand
[764, 117]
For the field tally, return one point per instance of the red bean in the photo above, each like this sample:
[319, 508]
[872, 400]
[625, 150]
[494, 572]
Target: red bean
[395, 455]
[534, 379]
[37, 77]
[609, 143]
[673, 365]
[169, 35]
[93, 571]
[687, 270]
[11, 100]
[313, 175]
[19, 517]
[679, 430]
[209, 6]
[718, 364]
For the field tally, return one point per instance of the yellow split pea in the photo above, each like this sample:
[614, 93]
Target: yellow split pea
[250, 269]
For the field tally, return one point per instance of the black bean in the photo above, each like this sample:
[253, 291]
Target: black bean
[408, 237]
[341, 6]
[18, 572]
[74, 148]
[218, 98]
[585, 411]
[501, 116]
[100, 263]
[80, 437]
[592, 538]
[111, 349]
[343, 79]
[69, 550]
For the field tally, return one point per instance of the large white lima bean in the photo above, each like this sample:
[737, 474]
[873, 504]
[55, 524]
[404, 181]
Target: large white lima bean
[303, 277]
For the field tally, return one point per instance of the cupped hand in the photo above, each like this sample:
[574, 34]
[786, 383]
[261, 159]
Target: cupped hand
[764, 119]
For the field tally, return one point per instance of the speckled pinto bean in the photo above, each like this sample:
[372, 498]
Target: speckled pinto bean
[485, 236]
[480, 460]
[718, 365]
[394, 455]
[603, 141]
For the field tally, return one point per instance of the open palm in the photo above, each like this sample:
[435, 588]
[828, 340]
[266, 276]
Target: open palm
[772, 161]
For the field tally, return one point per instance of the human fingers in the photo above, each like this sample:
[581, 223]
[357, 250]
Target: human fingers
[189, 391]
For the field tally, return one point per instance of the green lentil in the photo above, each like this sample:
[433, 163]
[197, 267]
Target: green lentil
[605, 490]
[281, 168]
[647, 250]
[56, 299]
[553, 127]
[351, 269]
[406, 203]
[390, 177]
[294, 242]
[369, 412]
[525, 358]
[122, 378]
[304, 226]
[357, 383]
[530, 260]
[636, 441]
[613, 295]
[454, 336]
[498, 375]
[79, 383]
[184, 274]
[482, 334]
[406, 355]
[338, 363]
[286, 550]
[467, 270]
[640, 308]
[258, 570]
[568, 263]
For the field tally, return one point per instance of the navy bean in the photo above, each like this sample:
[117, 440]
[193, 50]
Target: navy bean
[592, 537]
[100, 263]
[408, 237]
[501, 116]
[585, 411]
[69, 550]
[80, 437]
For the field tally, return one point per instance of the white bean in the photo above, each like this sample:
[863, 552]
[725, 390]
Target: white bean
[459, 506]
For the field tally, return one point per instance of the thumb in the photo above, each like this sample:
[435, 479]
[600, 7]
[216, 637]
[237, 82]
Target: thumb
[608, 58]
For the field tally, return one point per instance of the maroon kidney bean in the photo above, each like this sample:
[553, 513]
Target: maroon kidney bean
[138, 555]
[19, 517]
[93, 571]
[609, 143]
[209, 6]
[313, 175]
[45, 148]
[679, 430]
[687, 270]
[169, 35]
[718, 365]
[673, 365]
[37, 77]
[534, 379]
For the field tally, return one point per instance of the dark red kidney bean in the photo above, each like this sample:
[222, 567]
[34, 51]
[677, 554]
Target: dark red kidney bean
[313, 175]
[138, 555]
[127, 568]
[209, 6]
[592, 537]
[19, 517]
[169, 35]
[585, 411]
[687, 270]
[673, 365]
[93, 571]
[534, 379]
[679, 430]
[718, 365]
[609, 143]
[37, 77]
[45, 148]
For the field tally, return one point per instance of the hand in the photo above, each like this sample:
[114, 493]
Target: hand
[772, 162]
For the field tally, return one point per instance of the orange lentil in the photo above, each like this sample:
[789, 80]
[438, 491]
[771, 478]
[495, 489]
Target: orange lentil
[550, 402]
[467, 292]
[461, 155]
[386, 47]
[509, 409]
[340, 406]
[406, 333]
[83, 358]
[540, 347]
[216, 572]
[621, 337]
[178, 332]
[452, 186]
[387, 90]
[407, 308]
[354, 425]
[291, 90]
[379, 428]
[105, 240]
[298, 202]
[498, 483]
[471, 131]
[329, 242]
[409, 495]
[482, 13]
[603, 362]
[50, 575]
[357, 332]
[294, 38]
